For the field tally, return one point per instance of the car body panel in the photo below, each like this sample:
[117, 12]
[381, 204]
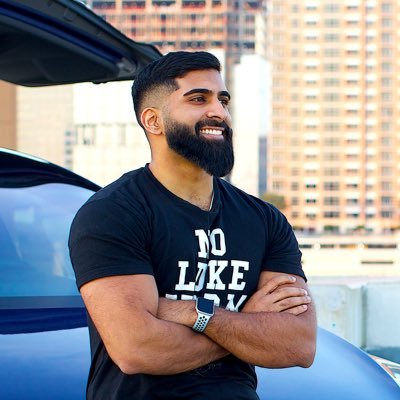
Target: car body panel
[19, 170]
[340, 371]
[55, 365]
[44, 365]
[44, 340]
[49, 42]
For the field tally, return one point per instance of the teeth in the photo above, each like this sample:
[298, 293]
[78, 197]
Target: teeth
[211, 131]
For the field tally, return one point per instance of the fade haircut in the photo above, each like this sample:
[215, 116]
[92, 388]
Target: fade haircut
[162, 74]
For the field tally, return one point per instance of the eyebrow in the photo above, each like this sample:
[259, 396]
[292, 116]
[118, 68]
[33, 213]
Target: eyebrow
[223, 93]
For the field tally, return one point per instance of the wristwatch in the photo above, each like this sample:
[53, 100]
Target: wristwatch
[205, 310]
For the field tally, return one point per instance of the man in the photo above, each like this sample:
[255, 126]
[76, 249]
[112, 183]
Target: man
[188, 281]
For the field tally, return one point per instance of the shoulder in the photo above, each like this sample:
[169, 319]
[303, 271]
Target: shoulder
[116, 206]
[127, 184]
[236, 194]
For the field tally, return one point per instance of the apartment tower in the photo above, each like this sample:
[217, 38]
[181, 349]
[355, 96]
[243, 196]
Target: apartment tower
[334, 149]
[8, 115]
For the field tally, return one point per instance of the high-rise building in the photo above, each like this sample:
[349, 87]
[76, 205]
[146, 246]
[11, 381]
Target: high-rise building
[231, 25]
[44, 122]
[334, 149]
[8, 115]
[235, 31]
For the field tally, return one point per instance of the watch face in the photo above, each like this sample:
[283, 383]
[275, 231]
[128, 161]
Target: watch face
[205, 305]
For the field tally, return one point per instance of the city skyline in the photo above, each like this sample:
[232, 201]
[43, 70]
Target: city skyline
[330, 131]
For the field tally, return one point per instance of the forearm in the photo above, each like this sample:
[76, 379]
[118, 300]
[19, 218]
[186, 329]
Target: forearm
[124, 310]
[173, 348]
[193, 348]
[268, 339]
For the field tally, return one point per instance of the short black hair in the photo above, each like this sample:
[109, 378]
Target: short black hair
[164, 71]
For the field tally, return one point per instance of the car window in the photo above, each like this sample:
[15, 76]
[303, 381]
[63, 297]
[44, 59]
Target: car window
[34, 229]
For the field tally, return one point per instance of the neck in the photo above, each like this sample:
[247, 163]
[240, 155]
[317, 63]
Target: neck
[186, 180]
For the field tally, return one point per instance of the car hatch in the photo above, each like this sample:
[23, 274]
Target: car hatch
[50, 42]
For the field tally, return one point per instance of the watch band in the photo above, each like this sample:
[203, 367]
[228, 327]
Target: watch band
[205, 310]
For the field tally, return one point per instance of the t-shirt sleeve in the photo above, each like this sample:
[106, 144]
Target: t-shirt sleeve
[282, 253]
[106, 239]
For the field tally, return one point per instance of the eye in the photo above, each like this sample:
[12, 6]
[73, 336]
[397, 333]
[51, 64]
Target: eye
[224, 101]
[197, 99]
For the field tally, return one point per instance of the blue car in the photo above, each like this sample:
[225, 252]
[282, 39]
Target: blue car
[44, 341]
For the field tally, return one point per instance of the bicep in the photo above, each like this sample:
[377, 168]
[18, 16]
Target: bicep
[267, 276]
[120, 306]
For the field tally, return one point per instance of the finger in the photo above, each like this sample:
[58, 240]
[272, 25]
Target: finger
[297, 310]
[291, 302]
[290, 291]
[277, 281]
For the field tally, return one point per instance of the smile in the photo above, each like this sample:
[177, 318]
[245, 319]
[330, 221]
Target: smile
[209, 131]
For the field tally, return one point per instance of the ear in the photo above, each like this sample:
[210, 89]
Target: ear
[151, 121]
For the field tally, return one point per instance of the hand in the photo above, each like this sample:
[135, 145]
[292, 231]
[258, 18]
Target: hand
[279, 295]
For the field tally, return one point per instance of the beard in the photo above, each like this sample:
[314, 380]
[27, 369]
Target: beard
[213, 156]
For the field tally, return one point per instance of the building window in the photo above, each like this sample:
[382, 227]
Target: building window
[331, 186]
[277, 186]
[311, 185]
[351, 185]
[387, 111]
[332, 8]
[311, 215]
[331, 201]
[332, 126]
[386, 185]
[386, 171]
[387, 7]
[331, 141]
[331, 97]
[332, 52]
[331, 171]
[386, 96]
[386, 156]
[331, 214]
[332, 22]
[351, 201]
[332, 37]
[331, 82]
[387, 82]
[386, 200]
[331, 228]
[331, 156]
[331, 112]
[352, 215]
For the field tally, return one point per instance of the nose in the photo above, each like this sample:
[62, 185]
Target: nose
[217, 110]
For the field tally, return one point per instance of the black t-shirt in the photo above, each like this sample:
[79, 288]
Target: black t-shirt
[136, 226]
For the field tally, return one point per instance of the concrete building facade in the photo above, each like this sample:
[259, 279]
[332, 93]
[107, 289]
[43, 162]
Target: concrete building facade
[334, 148]
[44, 122]
[107, 140]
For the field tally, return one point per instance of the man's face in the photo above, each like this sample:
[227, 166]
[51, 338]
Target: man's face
[197, 122]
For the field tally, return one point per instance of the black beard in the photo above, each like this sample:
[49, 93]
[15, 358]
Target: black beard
[213, 156]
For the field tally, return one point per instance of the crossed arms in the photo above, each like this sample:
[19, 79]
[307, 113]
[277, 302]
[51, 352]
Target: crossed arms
[145, 334]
